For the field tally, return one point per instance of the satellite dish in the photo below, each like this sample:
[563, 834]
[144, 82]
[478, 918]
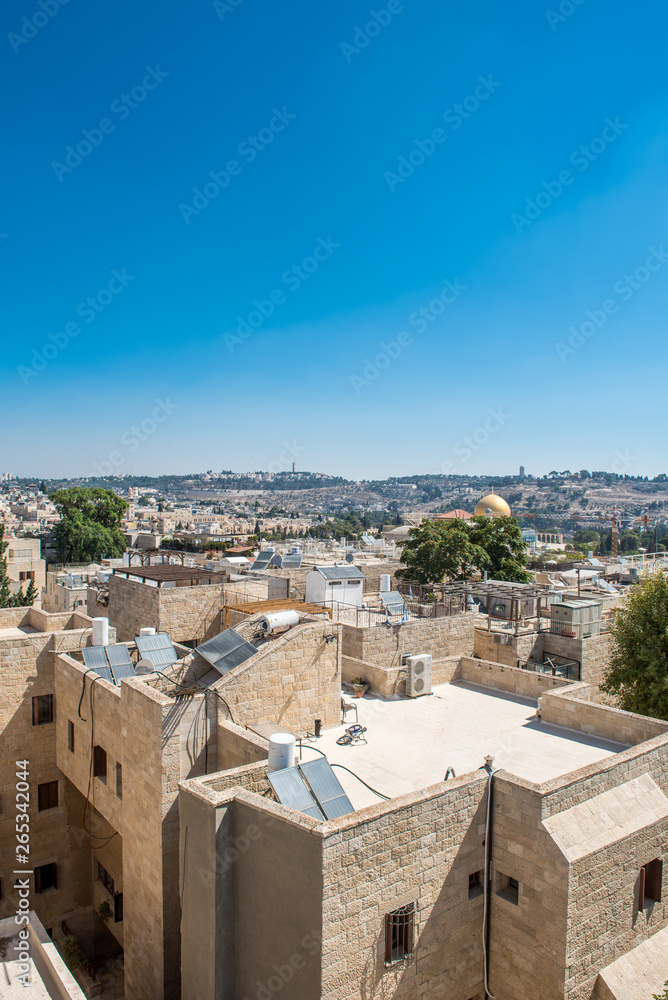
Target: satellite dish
[144, 667]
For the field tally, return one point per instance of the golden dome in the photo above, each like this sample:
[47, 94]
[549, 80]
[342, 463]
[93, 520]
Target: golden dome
[496, 505]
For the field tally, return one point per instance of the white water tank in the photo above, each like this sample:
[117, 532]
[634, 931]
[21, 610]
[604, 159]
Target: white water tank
[100, 631]
[278, 621]
[147, 631]
[281, 751]
[385, 583]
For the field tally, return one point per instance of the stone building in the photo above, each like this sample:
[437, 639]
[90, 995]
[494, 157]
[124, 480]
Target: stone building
[506, 833]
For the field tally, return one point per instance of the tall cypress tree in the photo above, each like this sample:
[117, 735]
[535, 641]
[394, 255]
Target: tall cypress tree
[6, 597]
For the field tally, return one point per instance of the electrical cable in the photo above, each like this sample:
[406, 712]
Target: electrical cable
[107, 840]
[375, 792]
[486, 881]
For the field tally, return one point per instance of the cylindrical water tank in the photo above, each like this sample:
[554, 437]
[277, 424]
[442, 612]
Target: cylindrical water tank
[278, 621]
[100, 631]
[384, 583]
[147, 631]
[281, 751]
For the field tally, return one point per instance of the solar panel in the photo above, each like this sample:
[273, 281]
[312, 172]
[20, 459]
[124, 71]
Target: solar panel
[120, 662]
[95, 658]
[394, 602]
[292, 791]
[262, 562]
[157, 648]
[292, 560]
[226, 650]
[326, 788]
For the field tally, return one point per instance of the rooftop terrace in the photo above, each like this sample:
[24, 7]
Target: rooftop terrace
[412, 742]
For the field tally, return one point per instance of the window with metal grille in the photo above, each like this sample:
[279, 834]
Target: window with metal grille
[47, 795]
[70, 736]
[46, 877]
[651, 878]
[99, 763]
[399, 930]
[42, 709]
[105, 878]
[475, 885]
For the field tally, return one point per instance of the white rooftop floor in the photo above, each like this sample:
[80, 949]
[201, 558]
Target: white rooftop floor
[411, 742]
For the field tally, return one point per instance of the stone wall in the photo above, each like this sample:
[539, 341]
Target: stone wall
[293, 679]
[27, 671]
[496, 675]
[375, 653]
[420, 848]
[572, 709]
[187, 614]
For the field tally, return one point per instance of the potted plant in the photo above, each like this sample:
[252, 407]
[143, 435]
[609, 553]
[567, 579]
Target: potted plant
[360, 686]
[104, 911]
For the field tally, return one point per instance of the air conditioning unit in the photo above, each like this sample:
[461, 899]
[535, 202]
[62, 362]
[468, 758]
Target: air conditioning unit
[500, 639]
[418, 681]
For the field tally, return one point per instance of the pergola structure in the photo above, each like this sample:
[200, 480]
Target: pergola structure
[267, 607]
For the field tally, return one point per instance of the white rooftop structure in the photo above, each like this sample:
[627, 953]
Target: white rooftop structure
[411, 742]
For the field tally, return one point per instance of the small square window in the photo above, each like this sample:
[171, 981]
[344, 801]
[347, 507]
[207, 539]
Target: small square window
[399, 930]
[70, 736]
[46, 877]
[42, 709]
[650, 883]
[99, 763]
[475, 885]
[47, 795]
[119, 780]
[510, 889]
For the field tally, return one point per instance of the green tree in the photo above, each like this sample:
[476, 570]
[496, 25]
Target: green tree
[637, 675]
[30, 595]
[505, 554]
[455, 549]
[661, 996]
[6, 597]
[90, 524]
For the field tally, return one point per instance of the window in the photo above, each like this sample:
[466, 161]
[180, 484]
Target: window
[510, 889]
[99, 763]
[475, 885]
[70, 736]
[354, 583]
[42, 709]
[399, 934]
[46, 877]
[118, 907]
[105, 878]
[47, 795]
[119, 780]
[649, 889]
[28, 574]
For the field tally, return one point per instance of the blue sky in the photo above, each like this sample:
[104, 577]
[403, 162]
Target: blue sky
[308, 115]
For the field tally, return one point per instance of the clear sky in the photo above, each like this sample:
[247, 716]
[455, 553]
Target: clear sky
[219, 216]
